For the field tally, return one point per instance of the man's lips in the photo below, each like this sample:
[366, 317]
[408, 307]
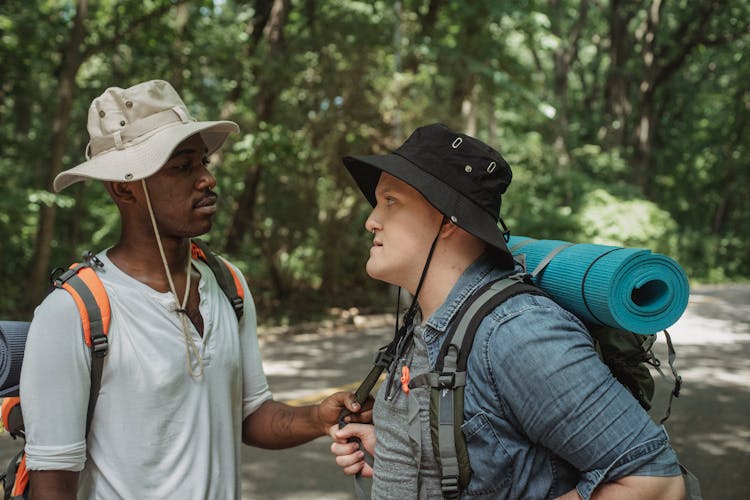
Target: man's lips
[208, 201]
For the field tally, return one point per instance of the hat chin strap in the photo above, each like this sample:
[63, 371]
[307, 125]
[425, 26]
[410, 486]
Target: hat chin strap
[402, 335]
[412, 311]
[191, 350]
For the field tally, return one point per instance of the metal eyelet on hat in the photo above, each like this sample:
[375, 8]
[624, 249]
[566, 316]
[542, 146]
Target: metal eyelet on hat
[468, 169]
[491, 168]
[101, 114]
[128, 104]
[457, 142]
[122, 123]
[128, 177]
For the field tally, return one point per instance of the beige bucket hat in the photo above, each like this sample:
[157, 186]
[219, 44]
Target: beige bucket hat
[134, 131]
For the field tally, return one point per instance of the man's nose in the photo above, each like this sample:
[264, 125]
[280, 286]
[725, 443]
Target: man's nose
[205, 179]
[371, 223]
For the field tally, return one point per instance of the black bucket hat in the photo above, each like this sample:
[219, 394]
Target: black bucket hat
[459, 175]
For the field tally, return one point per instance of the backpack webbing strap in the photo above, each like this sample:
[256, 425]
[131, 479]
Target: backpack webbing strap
[449, 378]
[675, 393]
[226, 277]
[456, 347]
[91, 299]
[548, 258]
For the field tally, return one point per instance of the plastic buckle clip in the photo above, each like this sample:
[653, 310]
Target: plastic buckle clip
[65, 276]
[446, 380]
[100, 346]
[449, 484]
[382, 358]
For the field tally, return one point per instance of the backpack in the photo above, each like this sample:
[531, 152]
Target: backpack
[626, 354]
[87, 290]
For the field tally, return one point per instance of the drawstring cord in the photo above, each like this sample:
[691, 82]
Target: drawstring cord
[191, 350]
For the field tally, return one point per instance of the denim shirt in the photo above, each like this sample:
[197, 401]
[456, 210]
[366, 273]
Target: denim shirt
[542, 413]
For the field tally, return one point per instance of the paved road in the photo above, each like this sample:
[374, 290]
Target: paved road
[709, 424]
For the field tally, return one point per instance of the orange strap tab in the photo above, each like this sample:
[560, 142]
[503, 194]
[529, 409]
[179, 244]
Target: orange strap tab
[196, 252]
[405, 378]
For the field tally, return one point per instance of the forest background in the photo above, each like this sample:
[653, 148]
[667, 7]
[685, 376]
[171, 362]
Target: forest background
[625, 122]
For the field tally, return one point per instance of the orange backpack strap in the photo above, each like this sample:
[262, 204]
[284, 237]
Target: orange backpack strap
[21, 483]
[12, 418]
[225, 275]
[87, 290]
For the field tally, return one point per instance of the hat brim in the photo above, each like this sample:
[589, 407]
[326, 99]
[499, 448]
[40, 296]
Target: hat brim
[467, 214]
[145, 158]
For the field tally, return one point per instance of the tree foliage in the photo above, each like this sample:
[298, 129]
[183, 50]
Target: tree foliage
[625, 122]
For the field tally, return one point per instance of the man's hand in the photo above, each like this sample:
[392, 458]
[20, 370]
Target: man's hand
[348, 455]
[277, 425]
[330, 408]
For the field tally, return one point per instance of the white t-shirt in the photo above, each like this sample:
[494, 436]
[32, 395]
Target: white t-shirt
[156, 431]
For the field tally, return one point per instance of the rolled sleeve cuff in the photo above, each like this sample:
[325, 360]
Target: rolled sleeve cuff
[69, 458]
[654, 457]
[249, 407]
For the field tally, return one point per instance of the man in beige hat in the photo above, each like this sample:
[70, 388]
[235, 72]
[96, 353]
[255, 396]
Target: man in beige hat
[182, 385]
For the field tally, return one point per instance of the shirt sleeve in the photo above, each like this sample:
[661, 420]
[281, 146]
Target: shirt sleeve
[54, 386]
[255, 386]
[563, 397]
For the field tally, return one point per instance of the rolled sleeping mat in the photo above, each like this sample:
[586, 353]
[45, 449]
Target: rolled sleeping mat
[12, 343]
[628, 288]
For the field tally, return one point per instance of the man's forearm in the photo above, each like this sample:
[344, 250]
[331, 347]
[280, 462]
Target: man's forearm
[278, 425]
[53, 485]
[636, 487]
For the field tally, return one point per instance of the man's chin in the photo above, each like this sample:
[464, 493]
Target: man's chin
[378, 274]
[198, 232]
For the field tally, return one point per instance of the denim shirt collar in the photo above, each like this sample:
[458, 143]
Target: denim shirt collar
[481, 271]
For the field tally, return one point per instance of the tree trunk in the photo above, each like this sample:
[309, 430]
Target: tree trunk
[243, 219]
[644, 130]
[69, 65]
[617, 101]
[564, 57]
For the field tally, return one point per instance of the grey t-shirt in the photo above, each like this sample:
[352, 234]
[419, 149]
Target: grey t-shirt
[405, 466]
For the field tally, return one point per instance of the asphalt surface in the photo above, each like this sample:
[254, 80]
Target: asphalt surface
[708, 425]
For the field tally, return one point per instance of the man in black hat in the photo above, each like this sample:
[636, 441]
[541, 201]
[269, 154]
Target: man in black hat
[543, 416]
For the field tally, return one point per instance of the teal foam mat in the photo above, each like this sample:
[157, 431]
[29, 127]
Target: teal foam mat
[629, 288]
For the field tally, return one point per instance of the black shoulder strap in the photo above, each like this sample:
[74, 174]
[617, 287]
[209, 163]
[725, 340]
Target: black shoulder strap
[223, 275]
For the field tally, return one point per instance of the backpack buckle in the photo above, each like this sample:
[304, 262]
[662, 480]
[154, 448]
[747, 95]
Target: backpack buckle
[382, 358]
[446, 380]
[237, 303]
[62, 278]
[100, 346]
[449, 484]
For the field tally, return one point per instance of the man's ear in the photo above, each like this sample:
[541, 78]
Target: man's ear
[121, 192]
[448, 228]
